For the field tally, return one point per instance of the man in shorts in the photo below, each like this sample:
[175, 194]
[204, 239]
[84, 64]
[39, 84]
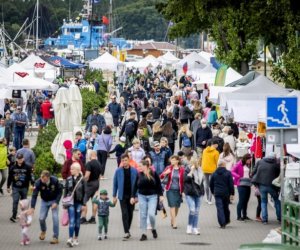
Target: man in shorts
[93, 170]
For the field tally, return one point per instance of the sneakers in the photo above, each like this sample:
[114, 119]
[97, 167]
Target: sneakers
[54, 241]
[143, 237]
[241, 219]
[70, 242]
[99, 237]
[105, 237]
[92, 220]
[195, 231]
[13, 219]
[189, 229]
[42, 235]
[75, 242]
[83, 220]
[247, 218]
[154, 233]
[126, 236]
[25, 243]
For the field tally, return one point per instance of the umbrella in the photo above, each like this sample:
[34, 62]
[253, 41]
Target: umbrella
[76, 107]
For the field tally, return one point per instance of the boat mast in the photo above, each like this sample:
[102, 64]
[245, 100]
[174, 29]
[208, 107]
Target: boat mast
[91, 22]
[110, 14]
[37, 26]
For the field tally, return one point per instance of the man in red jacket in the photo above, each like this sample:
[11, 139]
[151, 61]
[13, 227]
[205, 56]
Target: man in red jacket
[47, 111]
[76, 154]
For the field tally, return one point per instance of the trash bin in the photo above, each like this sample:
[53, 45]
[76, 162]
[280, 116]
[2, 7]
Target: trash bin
[261, 246]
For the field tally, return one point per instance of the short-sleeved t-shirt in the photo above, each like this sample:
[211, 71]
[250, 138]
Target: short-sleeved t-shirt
[95, 168]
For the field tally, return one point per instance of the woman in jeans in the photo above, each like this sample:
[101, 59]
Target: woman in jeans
[174, 176]
[148, 187]
[77, 181]
[241, 176]
[193, 190]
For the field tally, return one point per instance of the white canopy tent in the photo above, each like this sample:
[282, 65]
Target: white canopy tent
[168, 59]
[148, 61]
[246, 103]
[206, 55]
[107, 62]
[205, 75]
[39, 68]
[214, 92]
[231, 76]
[194, 62]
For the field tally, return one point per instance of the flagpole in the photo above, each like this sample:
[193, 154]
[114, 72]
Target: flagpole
[91, 23]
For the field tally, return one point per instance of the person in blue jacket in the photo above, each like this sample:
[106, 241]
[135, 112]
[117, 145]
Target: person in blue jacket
[80, 143]
[212, 116]
[123, 185]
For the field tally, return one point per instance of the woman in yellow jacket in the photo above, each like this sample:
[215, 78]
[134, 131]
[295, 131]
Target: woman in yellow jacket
[209, 164]
[3, 163]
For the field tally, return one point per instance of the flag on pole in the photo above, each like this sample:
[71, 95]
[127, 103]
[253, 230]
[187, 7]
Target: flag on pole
[185, 67]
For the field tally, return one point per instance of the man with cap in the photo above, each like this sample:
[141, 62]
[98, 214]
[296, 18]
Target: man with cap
[264, 172]
[95, 119]
[159, 158]
[20, 123]
[50, 190]
[19, 177]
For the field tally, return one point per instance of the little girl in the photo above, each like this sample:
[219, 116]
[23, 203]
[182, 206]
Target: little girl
[25, 221]
[119, 149]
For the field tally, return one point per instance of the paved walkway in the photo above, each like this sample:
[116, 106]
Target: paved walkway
[211, 237]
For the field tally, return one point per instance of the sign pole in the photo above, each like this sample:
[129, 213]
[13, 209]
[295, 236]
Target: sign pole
[282, 181]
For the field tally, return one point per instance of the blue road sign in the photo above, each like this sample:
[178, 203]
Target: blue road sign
[282, 112]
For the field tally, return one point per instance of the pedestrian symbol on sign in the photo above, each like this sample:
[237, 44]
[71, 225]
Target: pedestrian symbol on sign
[284, 111]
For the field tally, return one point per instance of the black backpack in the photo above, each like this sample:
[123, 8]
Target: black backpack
[130, 128]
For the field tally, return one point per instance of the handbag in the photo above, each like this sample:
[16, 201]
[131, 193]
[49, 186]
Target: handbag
[65, 218]
[69, 200]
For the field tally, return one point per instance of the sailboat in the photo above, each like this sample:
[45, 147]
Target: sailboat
[88, 33]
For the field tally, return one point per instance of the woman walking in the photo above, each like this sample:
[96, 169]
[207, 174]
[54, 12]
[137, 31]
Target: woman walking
[104, 143]
[185, 139]
[170, 134]
[241, 176]
[75, 186]
[194, 191]
[173, 175]
[148, 188]
[228, 156]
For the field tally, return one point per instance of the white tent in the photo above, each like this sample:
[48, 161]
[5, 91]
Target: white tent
[168, 59]
[107, 62]
[39, 68]
[245, 103]
[148, 61]
[205, 75]
[21, 78]
[194, 62]
[214, 92]
[206, 55]
[231, 76]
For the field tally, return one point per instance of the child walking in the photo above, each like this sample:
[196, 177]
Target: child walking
[25, 221]
[102, 204]
[119, 149]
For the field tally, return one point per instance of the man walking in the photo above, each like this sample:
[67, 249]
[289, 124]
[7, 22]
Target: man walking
[29, 156]
[19, 177]
[221, 185]
[51, 191]
[123, 184]
[265, 171]
[95, 119]
[21, 122]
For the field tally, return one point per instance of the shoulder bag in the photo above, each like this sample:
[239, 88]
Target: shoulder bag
[69, 200]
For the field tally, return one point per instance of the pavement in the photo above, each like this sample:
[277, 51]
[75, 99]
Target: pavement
[211, 236]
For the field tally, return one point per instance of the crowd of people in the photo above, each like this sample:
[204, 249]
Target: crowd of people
[168, 140]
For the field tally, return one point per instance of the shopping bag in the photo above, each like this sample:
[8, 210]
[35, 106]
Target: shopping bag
[65, 218]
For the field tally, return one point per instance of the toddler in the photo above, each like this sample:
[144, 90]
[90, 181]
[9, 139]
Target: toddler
[102, 204]
[25, 221]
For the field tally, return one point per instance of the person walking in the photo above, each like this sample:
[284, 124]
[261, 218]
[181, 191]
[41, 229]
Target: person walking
[123, 188]
[159, 158]
[66, 169]
[149, 190]
[209, 165]
[3, 164]
[80, 143]
[203, 134]
[137, 152]
[228, 156]
[193, 190]
[19, 177]
[185, 139]
[29, 156]
[221, 186]
[93, 171]
[20, 123]
[9, 127]
[50, 190]
[75, 186]
[241, 177]
[265, 171]
[95, 119]
[173, 176]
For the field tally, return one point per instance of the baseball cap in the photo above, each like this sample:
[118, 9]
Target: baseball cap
[103, 192]
[123, 139]
[19, 156]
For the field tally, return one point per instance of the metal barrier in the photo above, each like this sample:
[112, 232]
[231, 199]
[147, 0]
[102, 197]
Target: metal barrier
[291, 223]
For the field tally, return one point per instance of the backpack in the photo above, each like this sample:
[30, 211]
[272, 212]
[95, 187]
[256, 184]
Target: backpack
[186, 141]
[130, 128]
